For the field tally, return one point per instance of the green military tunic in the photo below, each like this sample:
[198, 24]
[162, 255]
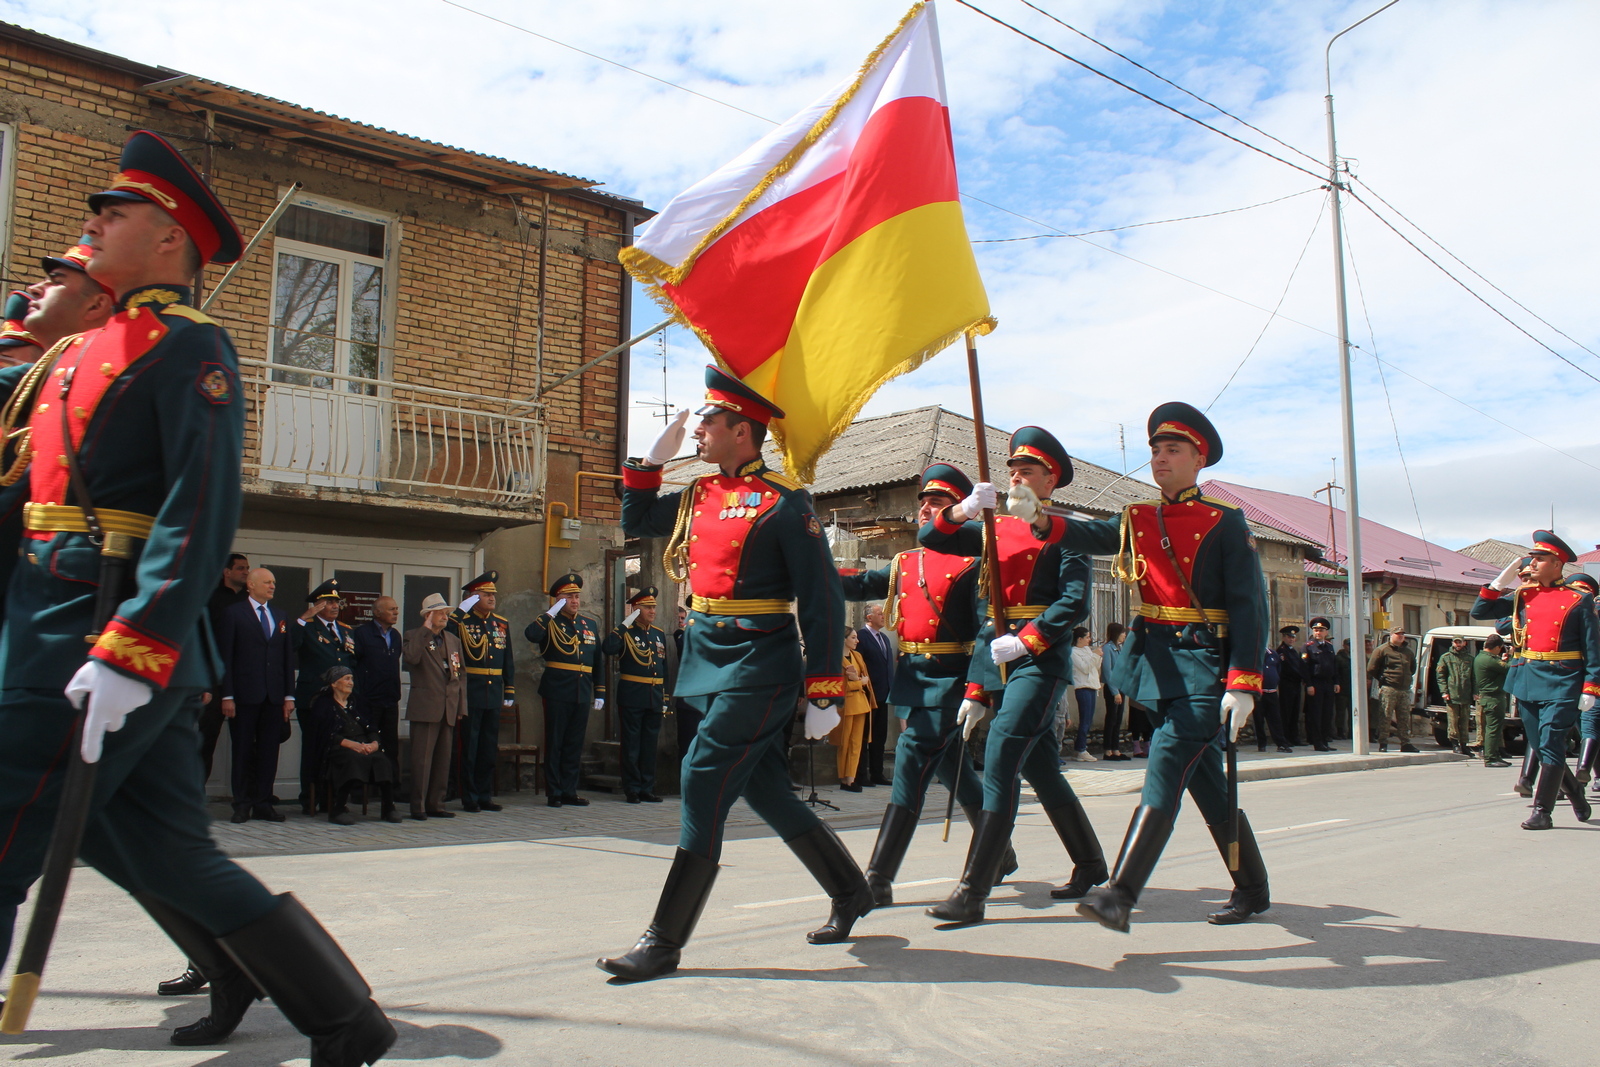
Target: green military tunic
[491, 673]
[641, 699]
[570, 685]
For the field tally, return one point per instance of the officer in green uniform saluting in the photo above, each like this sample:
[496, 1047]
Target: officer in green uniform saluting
[749, 545]
[145, 420]
[641, 693]
[486, 639]
[570, 645]
[320, 641]
[1194, 659]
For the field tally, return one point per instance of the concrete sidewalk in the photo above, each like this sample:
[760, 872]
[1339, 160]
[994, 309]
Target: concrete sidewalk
[527, 818]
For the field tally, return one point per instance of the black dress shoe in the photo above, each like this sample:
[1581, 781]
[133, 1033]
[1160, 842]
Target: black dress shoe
[231, 996]
[269, 814]
[575, 801]
[393, 816]
[649, 798]
[631, 798]
[489, 805]
[441, 814]
[878, 779]
[865, 783]
[1496, 763]
[1383, 748]
[850, 787]
[240, 816]
[1285, 748]
[342, 818]
[553, 800]
[1407, 746]
[419, 816]
[190, 982]
[1322, 748]
[472, 808]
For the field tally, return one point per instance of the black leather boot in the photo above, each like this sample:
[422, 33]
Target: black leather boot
[1250, 895]
[1586, 759]
[1530, 770]
[311, 980]
[1008, 862]
[1112, 904]
[1088, 862]
[232, 991]
[683, 898]
[894, 837]
[1574, 793]
[991, 837]
[190, 982]
[1544, 796]
[831, 864]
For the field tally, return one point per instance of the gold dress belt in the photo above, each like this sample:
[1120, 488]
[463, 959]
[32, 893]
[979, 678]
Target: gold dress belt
[580, 668]
[642, 679]
[492, 672]
[64, 518]
[1023, 611]
[1546, 656]
[709, 606]
[936, 648]
[1162, 613]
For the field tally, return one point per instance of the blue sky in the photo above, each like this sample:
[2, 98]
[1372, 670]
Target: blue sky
[1476, 119]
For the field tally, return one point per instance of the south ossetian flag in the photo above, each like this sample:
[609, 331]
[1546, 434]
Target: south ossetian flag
[831, 256]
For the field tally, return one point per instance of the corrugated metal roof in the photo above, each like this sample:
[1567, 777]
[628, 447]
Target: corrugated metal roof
[1497, 554]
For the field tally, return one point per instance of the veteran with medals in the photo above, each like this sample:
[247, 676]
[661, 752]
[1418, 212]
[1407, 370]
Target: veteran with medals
[491, 674]
[570, 687]
[641, 646]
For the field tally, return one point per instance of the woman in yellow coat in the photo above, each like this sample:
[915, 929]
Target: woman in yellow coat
[855, 717]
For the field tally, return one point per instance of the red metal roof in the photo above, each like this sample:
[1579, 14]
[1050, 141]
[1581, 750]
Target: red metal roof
[1590, 557]
[1384, 550]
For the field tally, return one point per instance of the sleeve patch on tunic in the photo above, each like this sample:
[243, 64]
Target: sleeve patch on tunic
[813, 526]
[214, 383]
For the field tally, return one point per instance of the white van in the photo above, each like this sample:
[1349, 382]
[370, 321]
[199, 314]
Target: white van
[1427, 700]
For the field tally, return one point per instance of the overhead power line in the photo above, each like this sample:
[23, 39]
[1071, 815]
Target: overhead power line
[1157, 222]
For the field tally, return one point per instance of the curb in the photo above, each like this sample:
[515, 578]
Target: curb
[1300, 769]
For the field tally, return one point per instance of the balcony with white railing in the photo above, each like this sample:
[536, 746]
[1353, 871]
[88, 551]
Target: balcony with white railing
[464, 458]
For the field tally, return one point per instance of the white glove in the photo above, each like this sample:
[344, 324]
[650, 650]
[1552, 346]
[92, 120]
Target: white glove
[983, 496]
[1023, 502]
[1508, 579]
[1585, 702]
[1236, 709]
[971, 714]
[468, 604]
[634, 614]
[1006, 648]
[111, 697]
[820, 721]
[555, 609]
[508, 703]
[670, 443]
[599, 703]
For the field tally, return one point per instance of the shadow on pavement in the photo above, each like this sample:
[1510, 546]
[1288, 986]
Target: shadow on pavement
[1341, 947]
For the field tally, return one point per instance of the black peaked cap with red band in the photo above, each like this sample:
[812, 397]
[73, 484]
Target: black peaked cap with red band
[152, 171]
[1033, 444]
[12, 333]
[1547, 541]
[948, 479]
[1177, 421]
[727, 393]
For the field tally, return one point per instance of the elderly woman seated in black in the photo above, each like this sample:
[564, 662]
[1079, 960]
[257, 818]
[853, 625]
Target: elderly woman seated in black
[352, 755]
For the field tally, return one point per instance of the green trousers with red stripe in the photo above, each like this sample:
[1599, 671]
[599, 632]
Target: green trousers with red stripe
[1186, 754]
[740, 750]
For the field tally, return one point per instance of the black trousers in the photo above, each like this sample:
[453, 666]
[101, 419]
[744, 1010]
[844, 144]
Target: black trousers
[1319, 713]
[1289, 698]
[566, 724]
[640, 727]
[256, 731]
[384, 716]
[688, 723]
[211, 720]
[870, 766]
[1268, 721]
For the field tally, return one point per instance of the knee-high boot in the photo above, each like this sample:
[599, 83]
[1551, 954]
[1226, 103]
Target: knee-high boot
[889, 851]
[991, 837]
[1008, 860]
[683, 898]
[1586, 759]
[1088, 861]
[1112, 904]
[1544, 796]
[831, 864]
[1530, 769]
[305, 972]
[1250, 895]
[1574, 793]
[232, 991]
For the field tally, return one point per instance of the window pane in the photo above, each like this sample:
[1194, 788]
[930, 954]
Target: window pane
[366, 299]
[315, 227]
[307, 292]
[417, 589]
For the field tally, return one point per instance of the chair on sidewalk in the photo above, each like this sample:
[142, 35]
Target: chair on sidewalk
[516, 750]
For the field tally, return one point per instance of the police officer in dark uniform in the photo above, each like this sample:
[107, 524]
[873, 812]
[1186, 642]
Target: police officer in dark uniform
[1319, 666]
[320, 641]
[1194, 658]
[491, 675]
[1555, 669]
[1026, 661]
[748, 543]
[571, 686]
[930, 601]
[641, 693]
[145, 419]
[1291, 685]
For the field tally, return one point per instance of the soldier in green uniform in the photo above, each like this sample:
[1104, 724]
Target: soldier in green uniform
[1194, 658]
[1589, 721]
[319, 641]
[1489, 682]
[761, 578]
[641, 693]
[570, 644]
[145, 418]
[486, 639]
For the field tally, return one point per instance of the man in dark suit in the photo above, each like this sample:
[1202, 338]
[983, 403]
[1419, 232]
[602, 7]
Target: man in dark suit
[257, 693]
[229, 592]
[880, 653]
[377, 667]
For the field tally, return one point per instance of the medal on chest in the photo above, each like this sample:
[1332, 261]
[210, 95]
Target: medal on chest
[740, 505]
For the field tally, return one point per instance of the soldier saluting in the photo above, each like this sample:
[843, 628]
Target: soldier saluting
[1194, 659]
[749, 545]
[320, 641]
[1555, 670]
[641, 693]
[491, 672]
[570, 645]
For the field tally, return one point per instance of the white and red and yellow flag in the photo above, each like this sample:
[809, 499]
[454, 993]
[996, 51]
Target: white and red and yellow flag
[831, 256]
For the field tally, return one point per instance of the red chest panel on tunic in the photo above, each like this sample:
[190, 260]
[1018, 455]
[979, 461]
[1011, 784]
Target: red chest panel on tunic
[1187, 526]
[924, 582]
[1019, 553]
[1545, 612]
[726, 510]
[90, 363]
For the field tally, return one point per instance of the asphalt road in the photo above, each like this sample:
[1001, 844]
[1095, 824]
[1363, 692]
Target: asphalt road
[1413, 924]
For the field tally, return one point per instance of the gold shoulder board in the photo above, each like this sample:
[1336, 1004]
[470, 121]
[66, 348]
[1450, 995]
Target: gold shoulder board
[184, 311]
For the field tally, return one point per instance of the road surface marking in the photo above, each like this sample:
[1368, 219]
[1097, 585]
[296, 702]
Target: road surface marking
[1299, 826]
[824, 896]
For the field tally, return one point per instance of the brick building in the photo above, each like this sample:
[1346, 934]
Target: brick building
[399, 328]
